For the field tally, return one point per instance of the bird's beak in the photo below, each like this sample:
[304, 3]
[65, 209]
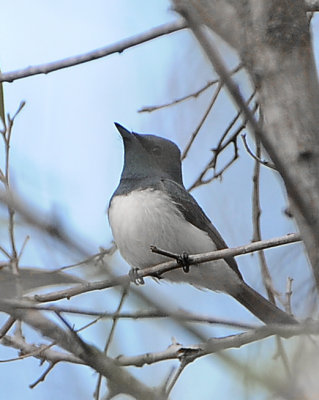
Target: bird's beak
[123, 131]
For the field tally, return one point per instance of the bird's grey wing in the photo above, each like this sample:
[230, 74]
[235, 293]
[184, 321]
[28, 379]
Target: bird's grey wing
[190, 208]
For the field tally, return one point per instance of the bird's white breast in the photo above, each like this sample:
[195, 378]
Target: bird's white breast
[149, 217]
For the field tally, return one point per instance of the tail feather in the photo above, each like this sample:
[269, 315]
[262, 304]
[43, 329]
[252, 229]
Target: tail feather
[262, 308]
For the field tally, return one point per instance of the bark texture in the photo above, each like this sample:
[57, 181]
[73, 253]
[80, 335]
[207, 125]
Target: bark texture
[273, 40]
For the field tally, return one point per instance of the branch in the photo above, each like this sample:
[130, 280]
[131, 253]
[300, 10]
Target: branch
[118, 47]
[256, 217]
[89, 354]
[43, 375]
[312, 5]
[214, 345]
[39, 351]
[179, 315]
[201, 122]
[188, 96]
[168, 266]
[6, 326]
[221, 146]
[194, 22]
[260, 160]
[45, 223]
[109, 341]
[216, 255]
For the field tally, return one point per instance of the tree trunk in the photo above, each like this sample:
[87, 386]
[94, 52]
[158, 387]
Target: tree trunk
[273, 41]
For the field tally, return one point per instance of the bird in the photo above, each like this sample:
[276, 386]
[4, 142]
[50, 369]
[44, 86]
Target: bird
[151, 207]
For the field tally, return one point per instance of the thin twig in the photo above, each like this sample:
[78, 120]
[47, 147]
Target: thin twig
[201, 122]
[235, 119]
[260, 160]
[212, 163]
[267, 280]
[288, 294]
[178, 373]
[109, 340]
[118, 47]
[221, 146]
[5, 252]
[39, 351]
[150, 109]
[13, 254]
[98, 256]
[35, 352]
[43, 375]
[86, 325]
[27, 238]
[188, 96]
[179, 315]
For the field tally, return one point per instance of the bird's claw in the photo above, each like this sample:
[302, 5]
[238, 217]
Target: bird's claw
[183, 260]
[133, 274]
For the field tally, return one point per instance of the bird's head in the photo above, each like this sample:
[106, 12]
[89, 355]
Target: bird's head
[148, 156]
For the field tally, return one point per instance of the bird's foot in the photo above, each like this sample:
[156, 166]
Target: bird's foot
[135, 278]
[184, 260]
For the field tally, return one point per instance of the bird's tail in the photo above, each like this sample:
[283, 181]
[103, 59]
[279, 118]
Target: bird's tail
[260, 307]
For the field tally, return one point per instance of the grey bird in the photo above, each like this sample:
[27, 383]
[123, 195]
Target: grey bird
[151, 207]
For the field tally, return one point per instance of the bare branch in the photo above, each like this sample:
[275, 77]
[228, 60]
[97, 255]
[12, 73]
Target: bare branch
[215, 255]
[256, 214]
[179, 100]
[312, 5]
[178, 373]
[109, 340]
[310, 217]
[201, 122]
[41, 352]
[6, 135]
[221, 146]
[95, 258]
[87, 287]
[213, 345]
[260, 160]
[179, 315]
[43, 375]
[288, 295]
[165, 267]
[118, 47]
[174, 351]
[7, 325]
[188, 96]
[89, 354]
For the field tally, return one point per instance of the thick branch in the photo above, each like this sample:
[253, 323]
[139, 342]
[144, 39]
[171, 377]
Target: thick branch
[312, 5]
[272, 37]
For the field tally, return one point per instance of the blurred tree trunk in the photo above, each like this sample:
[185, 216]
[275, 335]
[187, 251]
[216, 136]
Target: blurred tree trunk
[272, 39]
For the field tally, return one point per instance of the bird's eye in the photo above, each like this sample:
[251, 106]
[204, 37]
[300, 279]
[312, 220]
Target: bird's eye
[156, 150]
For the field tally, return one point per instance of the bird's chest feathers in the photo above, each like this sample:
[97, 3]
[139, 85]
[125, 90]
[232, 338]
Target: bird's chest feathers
[149, 217]
[140, 219]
